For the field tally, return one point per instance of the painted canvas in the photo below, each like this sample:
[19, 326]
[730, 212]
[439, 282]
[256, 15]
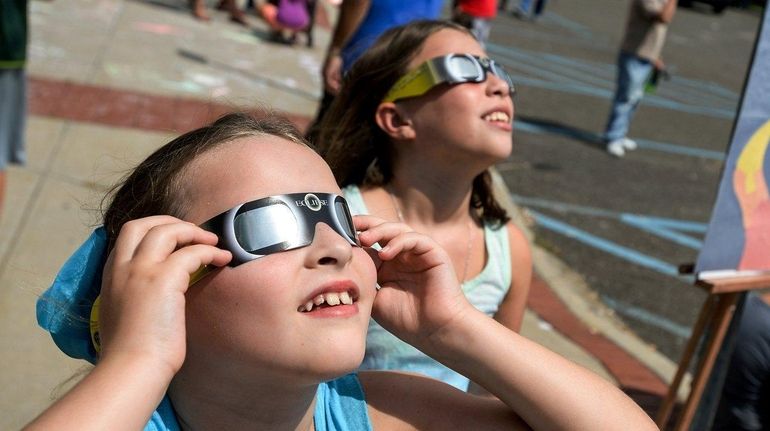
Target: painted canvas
[738, 237]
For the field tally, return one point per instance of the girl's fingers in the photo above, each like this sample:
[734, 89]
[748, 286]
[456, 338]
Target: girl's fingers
[375, 230]
[192, 257]
[160, 241]
[132, 233]
[364, 222]
[410, 242]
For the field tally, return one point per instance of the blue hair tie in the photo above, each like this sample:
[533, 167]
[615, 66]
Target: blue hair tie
[65, 308]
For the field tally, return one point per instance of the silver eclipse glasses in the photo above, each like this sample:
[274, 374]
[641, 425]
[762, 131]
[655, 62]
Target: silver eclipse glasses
[278, 223]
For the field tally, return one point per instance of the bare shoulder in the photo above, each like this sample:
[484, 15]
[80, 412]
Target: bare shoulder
[403, 401]
[378, 202]
[518, 243]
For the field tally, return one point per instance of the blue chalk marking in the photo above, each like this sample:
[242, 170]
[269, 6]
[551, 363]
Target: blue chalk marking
[679, 149]
[666, 228]
[615, 249]
[645, 316]
[647, 144]
[656, 229]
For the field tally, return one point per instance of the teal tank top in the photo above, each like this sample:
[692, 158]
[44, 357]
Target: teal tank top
[384, 351]
[340, 406]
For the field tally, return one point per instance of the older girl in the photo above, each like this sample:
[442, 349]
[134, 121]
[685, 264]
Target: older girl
[418, 122]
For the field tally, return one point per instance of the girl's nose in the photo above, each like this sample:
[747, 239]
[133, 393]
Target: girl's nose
[497, 86]
[328, 248]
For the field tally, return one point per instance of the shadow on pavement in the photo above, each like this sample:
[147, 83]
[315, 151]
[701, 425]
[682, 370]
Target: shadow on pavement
[556, 128]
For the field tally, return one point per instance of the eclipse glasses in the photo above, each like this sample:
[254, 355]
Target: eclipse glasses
[278, 223]
[449, 69]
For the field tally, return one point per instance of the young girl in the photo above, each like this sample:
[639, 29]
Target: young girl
[266, 339]
[418, 121]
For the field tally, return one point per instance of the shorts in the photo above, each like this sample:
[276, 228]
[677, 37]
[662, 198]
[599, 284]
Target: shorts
[13, 113]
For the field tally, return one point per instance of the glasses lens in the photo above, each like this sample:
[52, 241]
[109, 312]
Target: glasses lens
[466, 68]
[343, 215]
[500, 71]
[265, 226]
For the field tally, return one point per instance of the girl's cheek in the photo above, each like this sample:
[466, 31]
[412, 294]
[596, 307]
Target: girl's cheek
[366, 269]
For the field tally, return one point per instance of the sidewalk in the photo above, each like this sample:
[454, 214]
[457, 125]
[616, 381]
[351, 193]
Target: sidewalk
[111, 80]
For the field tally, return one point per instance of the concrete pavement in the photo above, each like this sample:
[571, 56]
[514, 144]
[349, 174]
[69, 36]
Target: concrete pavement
[110, 81]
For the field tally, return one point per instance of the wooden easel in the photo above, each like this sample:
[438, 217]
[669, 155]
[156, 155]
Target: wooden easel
[717, 312]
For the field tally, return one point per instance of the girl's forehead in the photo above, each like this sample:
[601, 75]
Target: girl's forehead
[251, 168]
[447, 41]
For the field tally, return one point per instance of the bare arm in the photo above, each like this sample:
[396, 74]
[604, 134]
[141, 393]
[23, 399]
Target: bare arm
[142, 326]
[422, 304]
[118, 394]
[352, 13]
[662, 14]
[511, 311]
[667, 14]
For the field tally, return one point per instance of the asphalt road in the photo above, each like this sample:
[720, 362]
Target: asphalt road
[624, 224]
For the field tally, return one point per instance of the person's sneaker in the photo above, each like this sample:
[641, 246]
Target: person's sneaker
[629, 144]
[616, 148]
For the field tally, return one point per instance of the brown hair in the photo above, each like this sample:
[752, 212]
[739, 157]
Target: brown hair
[156, 185]
[350, 140]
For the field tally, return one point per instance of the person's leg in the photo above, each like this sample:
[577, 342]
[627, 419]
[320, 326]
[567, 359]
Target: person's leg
[236, 14]
[480, 28]
[524, 6]
[199, 10]
[539, 6]
[632, 73]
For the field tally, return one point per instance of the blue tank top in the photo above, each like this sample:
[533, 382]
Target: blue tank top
[383, 15]
[340, 406]
[384, 351]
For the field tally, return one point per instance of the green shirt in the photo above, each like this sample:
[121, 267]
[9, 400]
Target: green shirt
[13, 34]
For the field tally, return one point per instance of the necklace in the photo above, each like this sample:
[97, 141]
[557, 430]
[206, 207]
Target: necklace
[400, 216]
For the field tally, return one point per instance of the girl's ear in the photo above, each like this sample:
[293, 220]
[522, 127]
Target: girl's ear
[394, 121]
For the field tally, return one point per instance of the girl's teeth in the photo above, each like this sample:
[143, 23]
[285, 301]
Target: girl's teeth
[332, 298]
[345, 298]
[496, 116]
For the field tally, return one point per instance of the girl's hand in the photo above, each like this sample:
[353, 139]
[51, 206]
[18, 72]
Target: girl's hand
[419, 295]
[142, 311]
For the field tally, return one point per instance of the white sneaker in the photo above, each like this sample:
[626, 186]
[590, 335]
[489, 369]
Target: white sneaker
[616, 148]
[629, 144]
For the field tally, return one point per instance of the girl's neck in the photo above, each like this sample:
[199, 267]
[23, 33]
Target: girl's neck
[428, 197]
[201, 402]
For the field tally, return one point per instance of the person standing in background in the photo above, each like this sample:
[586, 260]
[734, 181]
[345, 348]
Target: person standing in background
[359, 24]
[13, 86]
[639, 56]
[476, 16]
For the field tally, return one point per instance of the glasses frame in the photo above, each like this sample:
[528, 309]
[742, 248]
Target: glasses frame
[308, 209]
[439, 70]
